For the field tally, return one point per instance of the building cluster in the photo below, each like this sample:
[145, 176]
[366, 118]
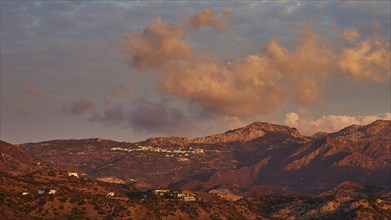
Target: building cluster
[181, 151]
[42, 192]
[186, 196]
[73, 174]
[53, 191]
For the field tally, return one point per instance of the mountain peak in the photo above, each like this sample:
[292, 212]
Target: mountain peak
[243, 134]
[376, 128]
[264, 128]
[249, 132]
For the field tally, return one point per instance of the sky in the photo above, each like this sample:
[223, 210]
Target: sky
[129, 70]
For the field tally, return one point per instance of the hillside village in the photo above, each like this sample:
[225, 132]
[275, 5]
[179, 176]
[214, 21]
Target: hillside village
[180, 151]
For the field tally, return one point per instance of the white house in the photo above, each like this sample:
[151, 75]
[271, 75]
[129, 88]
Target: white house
[161, 192]
[74, 174]
[52, 192]
[111, 194]
[189, 199]
[187, 196]
[25, 193]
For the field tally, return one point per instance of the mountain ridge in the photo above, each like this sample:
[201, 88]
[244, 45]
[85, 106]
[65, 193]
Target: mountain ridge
[257, 154]
[245, 133]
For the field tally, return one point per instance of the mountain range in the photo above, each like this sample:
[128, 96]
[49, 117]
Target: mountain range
[260, 171]
[240, 159]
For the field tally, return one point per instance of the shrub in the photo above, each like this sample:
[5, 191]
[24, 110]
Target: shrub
[52, 173]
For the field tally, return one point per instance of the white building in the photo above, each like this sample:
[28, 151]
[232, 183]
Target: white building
[74, 174]
[111, 194]
[52, 192]
[161, 192]
[189, 199]
[186, 197]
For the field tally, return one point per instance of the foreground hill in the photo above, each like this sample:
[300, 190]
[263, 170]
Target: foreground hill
[13, 159]
[47, 193]
[240, 159]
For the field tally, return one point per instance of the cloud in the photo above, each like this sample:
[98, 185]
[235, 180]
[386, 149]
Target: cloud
[207, 17]
[161, 42]
[111, 116]
[79, 107]
[237, 89]
[256, 84]
[156, 117]
[368, 60]
[156, 44]
[328, 123]
[376, 24]
[144, 117]
[292, 119]
[113, 96]
[351, 34]
[31, 92]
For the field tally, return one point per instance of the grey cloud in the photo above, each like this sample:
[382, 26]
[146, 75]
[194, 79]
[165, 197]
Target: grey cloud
[155, 117]
[112, 116]
[115, 95]
[79, 107]
[143, 117]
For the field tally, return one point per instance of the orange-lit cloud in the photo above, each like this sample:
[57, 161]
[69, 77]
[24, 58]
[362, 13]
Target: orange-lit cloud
[367, 60]
[158, 43]
[351, 34]
[207, 17]
[376, 24]
[256, 84]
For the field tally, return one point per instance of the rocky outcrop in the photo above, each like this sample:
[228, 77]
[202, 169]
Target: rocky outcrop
[244, 134]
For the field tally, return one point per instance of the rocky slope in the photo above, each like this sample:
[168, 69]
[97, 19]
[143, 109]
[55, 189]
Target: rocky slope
[15, 160]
